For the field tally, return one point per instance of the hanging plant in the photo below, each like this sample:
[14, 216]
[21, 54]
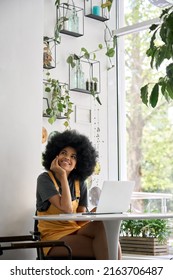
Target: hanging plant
[160, 53]
[109, 38]
[59, 23]
[49, 53]
[74, 58]
[107, 4]
[60, 105]
[110, 42]
[62, 19]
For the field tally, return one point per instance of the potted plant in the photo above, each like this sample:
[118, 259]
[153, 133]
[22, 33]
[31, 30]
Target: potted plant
[109, 43]
[160, 50]
[59, 23]
[74, 59]
[144, 237]
[67, 19]
[49, 53]
[60, 105]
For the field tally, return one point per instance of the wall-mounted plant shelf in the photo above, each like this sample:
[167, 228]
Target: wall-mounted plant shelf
[85, 76]
[70, 19]
[56, 100]
[93, 9]
[49, 53]
[47, 106]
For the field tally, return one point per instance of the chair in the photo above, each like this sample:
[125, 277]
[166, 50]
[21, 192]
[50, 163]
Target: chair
[40, 253]
[32, 241]
[27, 242]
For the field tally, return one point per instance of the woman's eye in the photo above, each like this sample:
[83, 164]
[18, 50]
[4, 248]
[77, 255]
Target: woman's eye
[62, 153]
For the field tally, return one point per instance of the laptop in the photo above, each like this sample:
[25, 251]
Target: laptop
[115, 197]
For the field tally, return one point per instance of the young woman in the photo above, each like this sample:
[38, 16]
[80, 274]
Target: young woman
[69, 159]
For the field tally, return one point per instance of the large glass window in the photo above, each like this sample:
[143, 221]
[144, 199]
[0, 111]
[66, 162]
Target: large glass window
[148, 143]
[139, 11]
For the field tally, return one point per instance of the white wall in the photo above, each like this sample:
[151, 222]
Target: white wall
[93, 35]
[21, 31]
[22, 26]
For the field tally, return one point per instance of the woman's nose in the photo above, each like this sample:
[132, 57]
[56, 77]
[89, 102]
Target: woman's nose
[67, 156]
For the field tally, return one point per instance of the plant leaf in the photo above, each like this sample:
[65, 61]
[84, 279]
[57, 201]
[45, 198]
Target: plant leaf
[87, 55]
[57, 2]
[169, 20]
[48, 111]
[107, 4]
[70, 60]
[169, 88]
[47, 89]
[153, 27]
[94, 56]
[153, 39]
[98, 100]
[66, 124]
[169, 71]
[163, 32]
[52, 119]
[154, 95]
[84, 50]
[95, 79]
[144, 94]
[160, 56]
[110, 52]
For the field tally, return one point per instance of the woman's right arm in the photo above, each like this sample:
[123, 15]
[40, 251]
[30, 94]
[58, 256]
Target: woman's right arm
[63, 201]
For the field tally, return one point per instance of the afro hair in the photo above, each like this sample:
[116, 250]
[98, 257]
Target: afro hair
[86, 153]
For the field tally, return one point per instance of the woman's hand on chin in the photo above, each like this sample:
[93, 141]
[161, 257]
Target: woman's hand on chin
[57, 169]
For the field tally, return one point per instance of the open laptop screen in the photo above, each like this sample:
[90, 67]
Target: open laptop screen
[115, 196]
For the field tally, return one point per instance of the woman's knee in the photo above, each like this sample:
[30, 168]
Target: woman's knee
[92, 229]
[98, 225]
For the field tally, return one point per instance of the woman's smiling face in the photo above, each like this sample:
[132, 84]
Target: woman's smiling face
[67, 159]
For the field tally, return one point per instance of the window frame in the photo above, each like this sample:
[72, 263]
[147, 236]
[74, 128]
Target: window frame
[117, 112]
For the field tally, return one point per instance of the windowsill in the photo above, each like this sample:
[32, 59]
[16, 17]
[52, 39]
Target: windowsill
[146, 257]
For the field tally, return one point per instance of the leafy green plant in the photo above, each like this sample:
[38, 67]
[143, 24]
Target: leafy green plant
[107, 4]
[109, 44]
[62, 19]
[160, 50]
[60, 103]
[59, 22]
[73, 58]
[156, 228]
[84, 53]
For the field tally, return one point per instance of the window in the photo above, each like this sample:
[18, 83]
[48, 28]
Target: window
[145, 134]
